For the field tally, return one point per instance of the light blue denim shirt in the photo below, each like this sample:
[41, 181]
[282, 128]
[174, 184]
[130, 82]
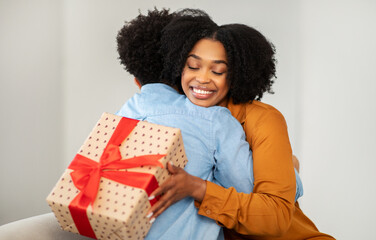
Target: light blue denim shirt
[215, 147]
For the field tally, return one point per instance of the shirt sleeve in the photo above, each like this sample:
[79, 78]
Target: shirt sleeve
[268, 210]
[232, 155]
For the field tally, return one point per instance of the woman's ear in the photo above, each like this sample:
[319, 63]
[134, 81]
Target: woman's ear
[137, 82]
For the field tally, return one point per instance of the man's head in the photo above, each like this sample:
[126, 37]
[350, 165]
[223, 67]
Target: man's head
[139, 43]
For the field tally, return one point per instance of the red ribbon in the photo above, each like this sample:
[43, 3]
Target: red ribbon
[87, 173]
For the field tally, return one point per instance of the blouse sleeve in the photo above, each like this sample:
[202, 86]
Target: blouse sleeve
[268, 210]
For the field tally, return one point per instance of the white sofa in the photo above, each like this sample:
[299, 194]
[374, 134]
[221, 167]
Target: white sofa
[41, 227]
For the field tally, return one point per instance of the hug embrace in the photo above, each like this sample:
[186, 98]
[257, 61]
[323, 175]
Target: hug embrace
[208, 80]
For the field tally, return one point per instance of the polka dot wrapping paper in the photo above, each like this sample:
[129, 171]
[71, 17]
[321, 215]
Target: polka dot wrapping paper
[112, 156]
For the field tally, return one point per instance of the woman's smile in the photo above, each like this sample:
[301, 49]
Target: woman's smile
[204, 78]
[201, 93]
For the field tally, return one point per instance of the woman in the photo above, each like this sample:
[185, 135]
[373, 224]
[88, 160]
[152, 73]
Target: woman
[232, 66]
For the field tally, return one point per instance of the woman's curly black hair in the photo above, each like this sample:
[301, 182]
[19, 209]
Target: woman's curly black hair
[178, 39]
[250, 56]
[138, 44]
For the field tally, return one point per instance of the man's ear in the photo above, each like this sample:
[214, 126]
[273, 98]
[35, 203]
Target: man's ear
[137, 83]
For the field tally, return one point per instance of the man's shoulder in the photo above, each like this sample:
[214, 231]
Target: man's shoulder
[155, 103]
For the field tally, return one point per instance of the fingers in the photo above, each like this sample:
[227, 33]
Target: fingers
[162, 209]
[296, 163]
[156, 192]
[171, 168]
[168, 189]
[159, 207]
[168, 183]
[162, 188]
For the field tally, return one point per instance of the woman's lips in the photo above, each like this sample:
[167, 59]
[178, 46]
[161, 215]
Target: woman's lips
[201, 93]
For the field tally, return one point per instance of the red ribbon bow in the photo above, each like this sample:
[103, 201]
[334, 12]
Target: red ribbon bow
[87, 173]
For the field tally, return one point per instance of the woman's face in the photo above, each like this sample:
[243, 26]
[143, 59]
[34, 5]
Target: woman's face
[204, 77]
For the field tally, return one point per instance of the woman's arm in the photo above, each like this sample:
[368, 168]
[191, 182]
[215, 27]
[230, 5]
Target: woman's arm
[268, 210]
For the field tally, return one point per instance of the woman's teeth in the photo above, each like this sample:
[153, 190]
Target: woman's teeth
[200, 91]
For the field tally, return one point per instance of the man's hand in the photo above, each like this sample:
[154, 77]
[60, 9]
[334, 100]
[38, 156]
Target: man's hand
[178, 186]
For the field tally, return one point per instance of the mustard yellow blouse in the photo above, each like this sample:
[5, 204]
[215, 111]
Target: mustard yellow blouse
[269, 212]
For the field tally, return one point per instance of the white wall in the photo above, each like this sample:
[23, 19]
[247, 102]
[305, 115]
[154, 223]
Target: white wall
[30, 105]
[338, 115]
[325, 89]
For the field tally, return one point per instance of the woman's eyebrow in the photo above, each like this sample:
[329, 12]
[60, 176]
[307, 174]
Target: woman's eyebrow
[194, 56]
[220, 61]
[215, 61]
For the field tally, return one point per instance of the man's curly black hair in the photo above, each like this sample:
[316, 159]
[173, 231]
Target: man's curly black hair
[138, 44]
[250, 56]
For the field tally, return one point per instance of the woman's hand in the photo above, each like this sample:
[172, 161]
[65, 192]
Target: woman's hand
[296, 163]
[178, 186]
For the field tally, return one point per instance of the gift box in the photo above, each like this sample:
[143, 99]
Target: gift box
[104, 192]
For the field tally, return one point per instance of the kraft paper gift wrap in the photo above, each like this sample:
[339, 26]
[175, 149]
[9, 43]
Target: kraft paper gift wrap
[104, 192]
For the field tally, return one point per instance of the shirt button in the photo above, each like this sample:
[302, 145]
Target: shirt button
[208, 212]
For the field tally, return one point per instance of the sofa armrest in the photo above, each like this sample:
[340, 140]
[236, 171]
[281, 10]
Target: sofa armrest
[41, 227]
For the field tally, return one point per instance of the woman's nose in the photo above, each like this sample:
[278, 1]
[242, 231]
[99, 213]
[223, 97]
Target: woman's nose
[203, 77]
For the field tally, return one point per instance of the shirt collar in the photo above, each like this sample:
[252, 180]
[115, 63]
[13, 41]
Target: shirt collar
[160, 87]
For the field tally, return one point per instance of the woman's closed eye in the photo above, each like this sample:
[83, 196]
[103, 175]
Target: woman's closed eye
[218, 73]
[193, 68]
